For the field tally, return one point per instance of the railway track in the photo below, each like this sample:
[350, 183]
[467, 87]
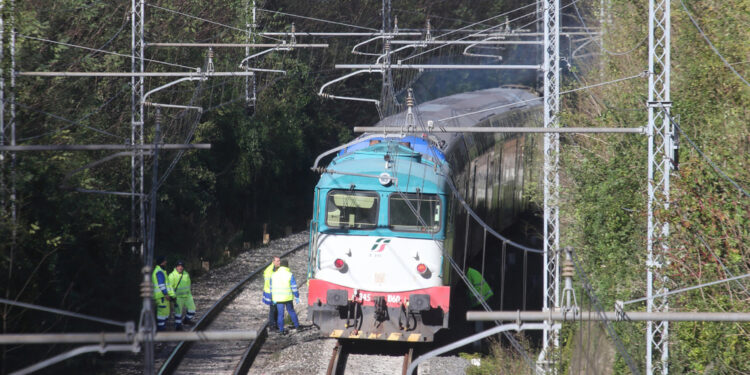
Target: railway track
[235, 309]
[343, 357]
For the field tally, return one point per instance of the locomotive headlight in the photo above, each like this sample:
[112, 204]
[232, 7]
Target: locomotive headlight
[424, 271]
[339, 264]
[385, 179]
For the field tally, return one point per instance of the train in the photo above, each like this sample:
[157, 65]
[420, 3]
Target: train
[386, 220]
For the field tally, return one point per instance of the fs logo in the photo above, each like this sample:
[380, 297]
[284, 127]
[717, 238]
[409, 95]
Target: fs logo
[379, 245]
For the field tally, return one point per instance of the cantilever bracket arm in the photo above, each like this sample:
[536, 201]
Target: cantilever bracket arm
[467, 53]
[324, 95]
[354, 49]
[162, 87]
[246, 59]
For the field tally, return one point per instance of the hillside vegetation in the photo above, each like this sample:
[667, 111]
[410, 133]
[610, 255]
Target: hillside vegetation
[604, 178]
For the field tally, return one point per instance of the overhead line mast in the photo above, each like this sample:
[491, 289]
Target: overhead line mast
[659, 168]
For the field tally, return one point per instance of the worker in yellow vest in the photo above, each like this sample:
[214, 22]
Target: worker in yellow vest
[179, 280]
[275, 263]
[283, 289]
[163, 293]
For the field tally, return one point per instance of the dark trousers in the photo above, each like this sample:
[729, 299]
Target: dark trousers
[292, 314]
[272, 312]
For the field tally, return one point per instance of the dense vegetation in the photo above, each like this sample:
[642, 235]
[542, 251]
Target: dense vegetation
[71, 249]
[604, 214]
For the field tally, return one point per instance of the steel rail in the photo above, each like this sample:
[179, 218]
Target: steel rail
[178, 353]
[407, 360]
[248, 357]
[337, 363]
[120, 337]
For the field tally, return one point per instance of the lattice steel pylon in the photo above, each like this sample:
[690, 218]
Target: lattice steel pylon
[147, 324]
[137, 203]
[551, 71]
[659, 165]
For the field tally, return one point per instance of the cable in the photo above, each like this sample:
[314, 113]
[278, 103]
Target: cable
[122, 90]
[538, 18]
[102, 51]
[720, 262]
[62, 312]
[65, 120]
[712, 45]
[687, 289]
[196, 18]
[595, 302]
[318, 19]
[641, 75]
[600, 44]
[477, 33]
[715, 167]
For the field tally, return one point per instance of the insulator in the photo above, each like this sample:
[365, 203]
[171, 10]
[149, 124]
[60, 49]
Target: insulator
[387, 46]
[568, 270]
[147, 289]
[210, 53]
[410, 98]
[158, 116]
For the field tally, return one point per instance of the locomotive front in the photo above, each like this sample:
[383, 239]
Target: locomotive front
[377, 235]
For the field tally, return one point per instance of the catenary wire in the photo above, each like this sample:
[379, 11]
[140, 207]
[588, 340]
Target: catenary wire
[687, 289]
[62, 312]
[473, 34]
[76, 122]
[711, 163]
[607, 324]
[575, 7]
[641, 75]
[720, 262]
[695, 23]
[58, 117]
[102, 51]
[317, 19]
[540, 18]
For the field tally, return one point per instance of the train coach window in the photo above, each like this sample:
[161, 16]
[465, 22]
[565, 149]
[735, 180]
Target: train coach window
[414, 212]
[352, 209]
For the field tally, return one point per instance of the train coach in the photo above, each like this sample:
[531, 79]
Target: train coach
[385, 216]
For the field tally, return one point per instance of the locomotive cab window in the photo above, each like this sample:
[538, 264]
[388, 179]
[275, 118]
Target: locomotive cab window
[414, 212]
[347, 209]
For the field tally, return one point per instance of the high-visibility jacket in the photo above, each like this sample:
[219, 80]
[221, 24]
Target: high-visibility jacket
[180, 283]
[161, 285]
[267, 284]
[283, 286]
[478, 282]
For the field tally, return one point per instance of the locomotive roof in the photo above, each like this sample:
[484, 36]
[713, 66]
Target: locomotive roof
[408, 166]
[467, 102]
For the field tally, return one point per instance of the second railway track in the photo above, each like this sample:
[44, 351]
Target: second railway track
[238, 308]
